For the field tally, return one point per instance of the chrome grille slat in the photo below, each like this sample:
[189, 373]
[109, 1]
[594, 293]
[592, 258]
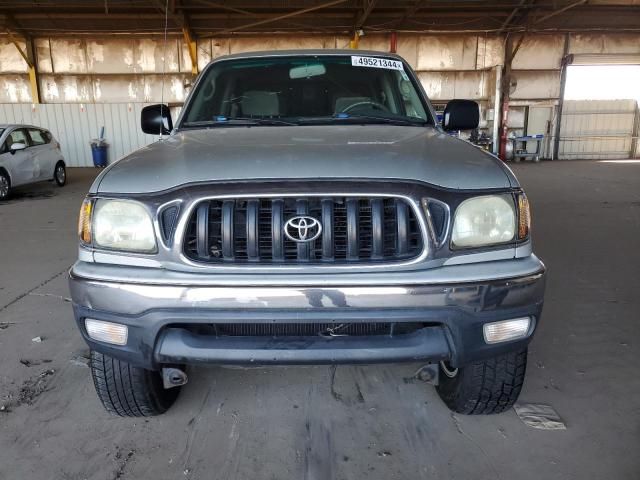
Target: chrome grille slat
[377, 226]
[355, 230]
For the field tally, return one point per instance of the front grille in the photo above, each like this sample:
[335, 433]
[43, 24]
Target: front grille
[308, 329]
[252, 230]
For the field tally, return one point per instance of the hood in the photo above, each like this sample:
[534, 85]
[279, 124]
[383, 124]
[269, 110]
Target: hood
[305, 152]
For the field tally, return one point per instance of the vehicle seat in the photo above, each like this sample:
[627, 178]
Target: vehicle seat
[260, 104]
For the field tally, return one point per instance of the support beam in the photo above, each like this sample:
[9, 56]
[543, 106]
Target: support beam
[566, 60]
[495, 134]
[511, 16]
[559, 11]
[370, 4]
[277, 18]
[191, 45]
[177, 19]
[246, 13]
[221, 6]
[28, 53]
[33, 71]
[355, 41]
[504, 102]
[517, 46]
[193, 49]
[182, 22]
[409, 12]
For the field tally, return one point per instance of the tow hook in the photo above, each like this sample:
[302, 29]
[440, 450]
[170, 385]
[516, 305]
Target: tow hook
[173, 377]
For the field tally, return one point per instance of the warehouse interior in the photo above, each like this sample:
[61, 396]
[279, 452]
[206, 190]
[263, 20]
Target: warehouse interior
[97, 64]
[566, 71]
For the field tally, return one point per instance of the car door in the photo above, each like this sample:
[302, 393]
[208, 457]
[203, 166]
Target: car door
[20, 162]
[42, 154]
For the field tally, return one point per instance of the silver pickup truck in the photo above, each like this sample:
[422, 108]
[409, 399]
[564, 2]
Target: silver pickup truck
[307, 208]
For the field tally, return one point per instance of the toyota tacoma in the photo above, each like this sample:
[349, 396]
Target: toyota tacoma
[307, 208]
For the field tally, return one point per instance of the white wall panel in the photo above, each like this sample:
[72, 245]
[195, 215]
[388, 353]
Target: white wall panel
[15, 89]
[74, 125]
[10, 59]
[472, 85]
[539, 52]
[408, 48]
[490, 52]
[597, 129]
[604, 43]
[533, 85]
[447, 53]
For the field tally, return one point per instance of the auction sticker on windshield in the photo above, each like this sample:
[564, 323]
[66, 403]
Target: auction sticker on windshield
[374, 62]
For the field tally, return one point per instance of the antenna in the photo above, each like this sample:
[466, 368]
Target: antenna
[164, 62]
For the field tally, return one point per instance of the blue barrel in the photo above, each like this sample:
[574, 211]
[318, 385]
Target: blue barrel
[99, 154]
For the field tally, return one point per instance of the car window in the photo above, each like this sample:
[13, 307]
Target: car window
[38, 137]
[17, 136]
[295, 88]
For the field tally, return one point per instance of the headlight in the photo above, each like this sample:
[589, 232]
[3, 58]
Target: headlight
[483, 221]
[123, 225]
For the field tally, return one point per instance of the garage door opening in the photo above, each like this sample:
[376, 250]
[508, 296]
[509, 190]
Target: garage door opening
[600, 115]
[603, 82]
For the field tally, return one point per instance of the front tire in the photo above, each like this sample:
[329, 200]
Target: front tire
[484, 387]
[60, 174]
[5, 186]
[129, 391]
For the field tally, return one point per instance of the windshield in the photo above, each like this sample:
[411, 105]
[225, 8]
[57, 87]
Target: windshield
[305, 90]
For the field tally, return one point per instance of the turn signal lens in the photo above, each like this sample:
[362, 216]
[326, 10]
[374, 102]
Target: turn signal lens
[524, 217]
[107, 332]
[506, 330]
[84, 221]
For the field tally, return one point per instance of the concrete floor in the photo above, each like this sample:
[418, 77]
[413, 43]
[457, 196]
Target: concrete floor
[350, 422]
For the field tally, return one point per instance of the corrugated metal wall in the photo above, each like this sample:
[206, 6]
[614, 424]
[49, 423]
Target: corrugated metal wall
[597, 129]
[74, 125]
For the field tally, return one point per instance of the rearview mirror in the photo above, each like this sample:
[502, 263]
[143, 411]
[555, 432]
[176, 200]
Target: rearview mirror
[156, 119]
[461, 115]
[17, 146]
[306, 71]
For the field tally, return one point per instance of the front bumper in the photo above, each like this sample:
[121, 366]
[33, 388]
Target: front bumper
[161, 317]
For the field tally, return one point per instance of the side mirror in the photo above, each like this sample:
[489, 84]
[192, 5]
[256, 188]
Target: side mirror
[156, 119]
[461, 115]
[17, 146]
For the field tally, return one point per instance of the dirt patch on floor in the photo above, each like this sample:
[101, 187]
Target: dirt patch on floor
[30, 389]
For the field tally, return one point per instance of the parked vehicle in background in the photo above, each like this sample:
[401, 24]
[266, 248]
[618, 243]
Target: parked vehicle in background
[308, 208]
[28, 154]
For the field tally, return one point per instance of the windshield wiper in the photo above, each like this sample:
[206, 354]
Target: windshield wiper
[342, 117]
[394, 120]
[242, 121]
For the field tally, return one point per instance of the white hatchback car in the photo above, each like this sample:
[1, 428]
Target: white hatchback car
[28, 154]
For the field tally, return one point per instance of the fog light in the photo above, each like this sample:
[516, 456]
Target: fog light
[505, 330]
[106, 331]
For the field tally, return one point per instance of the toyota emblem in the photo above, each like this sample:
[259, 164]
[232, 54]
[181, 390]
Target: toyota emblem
[302, 229]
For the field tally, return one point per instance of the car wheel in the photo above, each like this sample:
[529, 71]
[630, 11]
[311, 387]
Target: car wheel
[130, 391]
[5, 186]
[484, 387]
[60, 174]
